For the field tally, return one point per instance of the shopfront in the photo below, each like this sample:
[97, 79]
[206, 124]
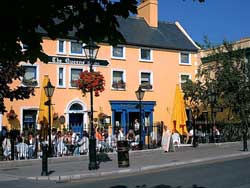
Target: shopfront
[124, 114]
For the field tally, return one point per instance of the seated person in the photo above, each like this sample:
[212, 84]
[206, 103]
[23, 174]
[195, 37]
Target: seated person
[176, 139]
[130, 136]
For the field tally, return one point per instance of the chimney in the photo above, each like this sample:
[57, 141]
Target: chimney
[148, 9]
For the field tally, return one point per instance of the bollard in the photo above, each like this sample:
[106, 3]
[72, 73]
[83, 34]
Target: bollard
[44, 160]
[123, 154]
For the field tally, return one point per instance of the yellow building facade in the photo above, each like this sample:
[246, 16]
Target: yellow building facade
[156, 55]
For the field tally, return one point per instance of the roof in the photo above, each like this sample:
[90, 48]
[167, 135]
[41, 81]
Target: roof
[137, 32]
[166, 36]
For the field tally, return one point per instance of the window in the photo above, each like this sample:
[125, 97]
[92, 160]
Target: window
[184, 78]
[146, 80]
[61, 47]
[118, 81]
[145, 54]
[30, 77]
[76, 48]
[61, 77]
[29, 121]
[185, 58]
[118, 52]
[74, 76]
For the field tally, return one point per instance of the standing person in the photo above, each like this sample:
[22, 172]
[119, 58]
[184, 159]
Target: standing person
[136, 127]
[6, 147]
[121, 134]
[166, 136]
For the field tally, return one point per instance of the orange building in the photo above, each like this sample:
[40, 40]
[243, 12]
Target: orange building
[157, 55]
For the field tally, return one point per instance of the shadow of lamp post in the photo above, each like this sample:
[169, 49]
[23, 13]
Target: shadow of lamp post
[49, 91]
[91, 51]
[140, 94]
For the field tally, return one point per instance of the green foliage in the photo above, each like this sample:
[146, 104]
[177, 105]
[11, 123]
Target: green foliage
[26, 22]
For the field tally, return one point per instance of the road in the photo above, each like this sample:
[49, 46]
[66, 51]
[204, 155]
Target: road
[224, 174]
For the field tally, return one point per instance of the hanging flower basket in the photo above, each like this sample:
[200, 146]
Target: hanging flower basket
[91, 80]
[11, 114]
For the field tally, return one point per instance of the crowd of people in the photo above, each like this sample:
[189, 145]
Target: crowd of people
[64, 143]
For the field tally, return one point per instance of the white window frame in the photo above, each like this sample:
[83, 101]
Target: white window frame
[76, 54]
[184, 74]
[151, 78]
[37, 72]
[146, 60]
[64, 76]
[64, 46]
[70, 68]
[123, 78]
[189, 58]
[123, 52]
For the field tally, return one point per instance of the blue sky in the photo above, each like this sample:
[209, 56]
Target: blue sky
[218, 19]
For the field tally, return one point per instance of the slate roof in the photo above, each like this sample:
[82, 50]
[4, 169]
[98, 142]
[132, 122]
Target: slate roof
[167, 36]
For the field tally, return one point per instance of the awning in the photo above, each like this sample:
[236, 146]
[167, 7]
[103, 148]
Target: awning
[179, 116]
[43, 113]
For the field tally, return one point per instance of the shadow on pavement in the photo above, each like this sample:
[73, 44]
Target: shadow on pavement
[102, 157]
[158, 186]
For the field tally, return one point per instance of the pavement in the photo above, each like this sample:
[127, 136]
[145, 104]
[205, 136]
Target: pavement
[76, 167]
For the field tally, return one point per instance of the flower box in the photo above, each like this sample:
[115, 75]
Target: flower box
[146, 86]
[119, 85]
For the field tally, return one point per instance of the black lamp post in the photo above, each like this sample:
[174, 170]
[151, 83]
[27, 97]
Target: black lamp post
[49, 90]
[212, 101]
[140, 94]
[91, 51]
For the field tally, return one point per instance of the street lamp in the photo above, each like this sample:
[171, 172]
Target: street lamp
[49, 90]
[212, 101]
[91, 51]
[140, 94]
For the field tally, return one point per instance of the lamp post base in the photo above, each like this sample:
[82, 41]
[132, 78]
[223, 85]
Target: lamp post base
[92, 154]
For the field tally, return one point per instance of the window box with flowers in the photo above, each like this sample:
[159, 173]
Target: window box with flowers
[146, 85]
[119, 84]
[30, 82]
[91, 80]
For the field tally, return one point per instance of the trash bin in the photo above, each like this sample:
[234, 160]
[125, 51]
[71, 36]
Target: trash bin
[123, 153]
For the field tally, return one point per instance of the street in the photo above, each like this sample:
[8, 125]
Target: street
[229, 174]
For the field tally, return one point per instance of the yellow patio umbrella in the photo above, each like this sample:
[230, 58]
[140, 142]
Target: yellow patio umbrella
[179, 116]
[43, 114]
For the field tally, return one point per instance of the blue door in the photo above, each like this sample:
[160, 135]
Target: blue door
[76, 123]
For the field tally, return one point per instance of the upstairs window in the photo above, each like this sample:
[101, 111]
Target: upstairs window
[61, 46]
[74, 76]
[185, 58]
[118, 52]
[145, 54]
[184, 78]
[76, 48]
[30, 77]
[61, 77]
[118, 81]
[146, 80]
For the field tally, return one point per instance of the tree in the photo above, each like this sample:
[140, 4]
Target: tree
[25, 22]
[226, 68]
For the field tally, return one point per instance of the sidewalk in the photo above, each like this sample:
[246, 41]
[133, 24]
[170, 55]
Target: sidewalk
[72, 168]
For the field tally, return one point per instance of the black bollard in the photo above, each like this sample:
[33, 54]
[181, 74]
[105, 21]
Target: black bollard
[44, 160]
